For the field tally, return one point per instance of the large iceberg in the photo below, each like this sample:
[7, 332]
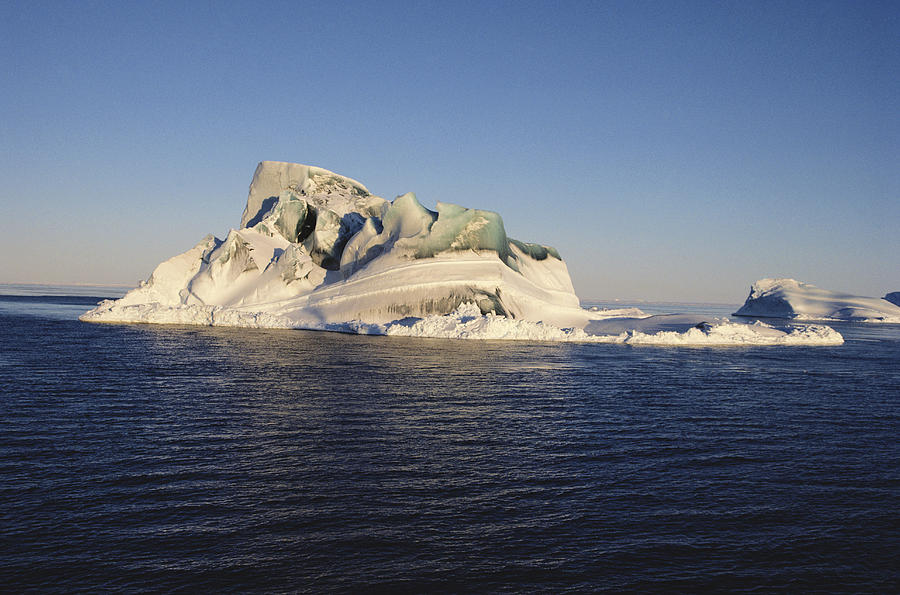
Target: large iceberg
[317, 250]
[789, 298]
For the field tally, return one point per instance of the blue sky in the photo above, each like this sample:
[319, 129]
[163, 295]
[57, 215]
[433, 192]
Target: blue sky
[669, 150]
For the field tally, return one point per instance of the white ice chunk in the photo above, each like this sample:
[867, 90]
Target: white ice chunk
[788, 298]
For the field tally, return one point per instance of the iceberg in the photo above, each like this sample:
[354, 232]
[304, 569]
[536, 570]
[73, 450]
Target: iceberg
[789, 298]
[316, 250]
[893, 297]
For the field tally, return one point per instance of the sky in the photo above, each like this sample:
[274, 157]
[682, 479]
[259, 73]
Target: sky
[670, 150]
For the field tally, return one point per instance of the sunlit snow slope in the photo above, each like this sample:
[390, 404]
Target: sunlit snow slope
[788, 298]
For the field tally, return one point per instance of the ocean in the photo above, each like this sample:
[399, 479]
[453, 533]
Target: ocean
[198, 459]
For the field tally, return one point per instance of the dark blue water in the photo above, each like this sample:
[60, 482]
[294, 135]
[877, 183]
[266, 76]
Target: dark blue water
[190, 459]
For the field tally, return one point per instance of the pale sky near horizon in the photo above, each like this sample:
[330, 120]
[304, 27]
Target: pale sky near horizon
[669, 150]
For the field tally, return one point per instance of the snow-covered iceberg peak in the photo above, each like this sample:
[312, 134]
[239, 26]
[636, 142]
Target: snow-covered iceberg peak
[789, 298]
[315, 185]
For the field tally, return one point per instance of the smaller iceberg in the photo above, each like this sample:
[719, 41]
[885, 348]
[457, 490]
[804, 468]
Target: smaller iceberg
[789, 298]
[893, 297]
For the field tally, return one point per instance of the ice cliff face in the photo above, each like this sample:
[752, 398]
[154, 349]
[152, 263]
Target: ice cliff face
[788, 298]
[315, 247]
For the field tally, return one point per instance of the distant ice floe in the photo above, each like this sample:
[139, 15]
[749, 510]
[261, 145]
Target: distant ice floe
[316, 250]
[789, 298]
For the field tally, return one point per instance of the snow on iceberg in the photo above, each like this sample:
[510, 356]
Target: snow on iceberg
[316, 250]
[788, 298]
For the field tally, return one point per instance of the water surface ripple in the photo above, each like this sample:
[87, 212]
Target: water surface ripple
[211, 459]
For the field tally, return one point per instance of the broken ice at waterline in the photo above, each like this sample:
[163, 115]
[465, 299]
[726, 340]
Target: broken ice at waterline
[316, 250]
